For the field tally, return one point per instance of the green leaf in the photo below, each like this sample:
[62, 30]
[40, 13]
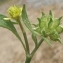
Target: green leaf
[34, 39]
[9, 25]
[25, 19]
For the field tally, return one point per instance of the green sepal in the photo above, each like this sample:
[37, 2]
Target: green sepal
[43, 32]
[54, 24]
[43, 14]
[37, 29]
[47, 40]
[60, 18]
[59, 29]
[35, 25]
[55, 36]
[39, 19]
[43, 22]
[50, 22]
[51, 14]
[59, 40]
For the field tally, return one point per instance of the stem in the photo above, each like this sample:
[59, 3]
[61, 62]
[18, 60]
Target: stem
[33, 52]
[22, 43]
[25, 37]
[28, 59]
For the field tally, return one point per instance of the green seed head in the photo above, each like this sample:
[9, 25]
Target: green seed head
[49, 26]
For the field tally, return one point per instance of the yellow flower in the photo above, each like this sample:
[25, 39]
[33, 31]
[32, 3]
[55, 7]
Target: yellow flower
[15, 12]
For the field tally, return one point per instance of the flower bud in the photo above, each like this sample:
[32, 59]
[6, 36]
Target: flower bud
[15, 12]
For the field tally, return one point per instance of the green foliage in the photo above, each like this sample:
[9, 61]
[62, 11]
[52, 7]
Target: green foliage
[25, 19]
[8, 24]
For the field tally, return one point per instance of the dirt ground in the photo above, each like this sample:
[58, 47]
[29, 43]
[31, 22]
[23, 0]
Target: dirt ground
[11, 50]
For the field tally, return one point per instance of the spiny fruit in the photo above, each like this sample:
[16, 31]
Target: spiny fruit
[49, 26]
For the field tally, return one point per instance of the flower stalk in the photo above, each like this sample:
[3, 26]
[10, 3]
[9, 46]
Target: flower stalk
[25, 36]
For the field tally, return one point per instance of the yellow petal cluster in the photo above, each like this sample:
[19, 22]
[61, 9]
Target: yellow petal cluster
[15, 12]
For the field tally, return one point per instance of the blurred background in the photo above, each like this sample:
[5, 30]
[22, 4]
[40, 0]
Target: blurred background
[11, 50]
